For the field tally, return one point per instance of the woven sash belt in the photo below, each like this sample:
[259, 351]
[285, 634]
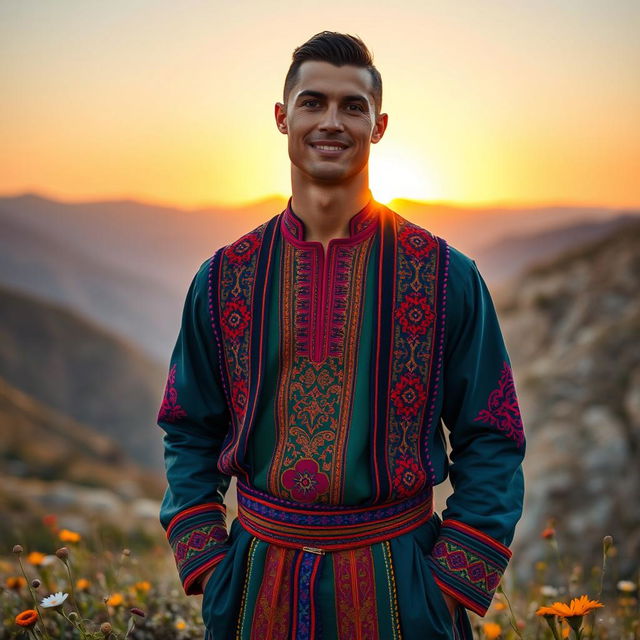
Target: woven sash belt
[319, 528]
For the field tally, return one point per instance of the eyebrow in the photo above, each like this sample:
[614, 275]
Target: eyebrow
[319, 94]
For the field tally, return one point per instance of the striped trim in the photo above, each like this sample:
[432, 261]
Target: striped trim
[197, 536]
[468, 564]
[325, 527]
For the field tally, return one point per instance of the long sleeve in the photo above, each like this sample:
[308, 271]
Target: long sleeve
[195, 417]
[481, 411]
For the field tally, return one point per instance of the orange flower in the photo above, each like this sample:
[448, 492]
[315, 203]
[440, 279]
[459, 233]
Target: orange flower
[548, 533]
[82, 584]
[499, 606]
[15, 582]
[27, 618]
[143, 585]
[35, 558]
[115, 600]
[68, 536]
[492, 630]
[577, 607]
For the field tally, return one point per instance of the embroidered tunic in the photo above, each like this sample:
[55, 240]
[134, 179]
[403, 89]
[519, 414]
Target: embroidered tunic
[324, 381]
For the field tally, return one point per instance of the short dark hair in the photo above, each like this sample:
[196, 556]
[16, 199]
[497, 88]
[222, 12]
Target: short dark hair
[338, 49]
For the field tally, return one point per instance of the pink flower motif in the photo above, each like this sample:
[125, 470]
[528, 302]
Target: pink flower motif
[304, 481]
[415, 315]
[407, 476]
[408, 395]
[242, 250]
[416, 242]
[503, 411]
[170, 410]
[235, 318]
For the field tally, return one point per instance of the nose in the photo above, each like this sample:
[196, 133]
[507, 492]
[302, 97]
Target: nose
[331, 120]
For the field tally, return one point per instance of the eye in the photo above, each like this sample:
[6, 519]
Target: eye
[307, 102]
[357, 105]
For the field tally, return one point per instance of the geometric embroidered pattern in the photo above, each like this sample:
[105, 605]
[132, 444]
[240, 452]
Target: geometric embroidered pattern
[468, 564]
[197, 536]
[502, 409]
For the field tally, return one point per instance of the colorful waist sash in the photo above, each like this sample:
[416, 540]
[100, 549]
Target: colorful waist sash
[317, 528]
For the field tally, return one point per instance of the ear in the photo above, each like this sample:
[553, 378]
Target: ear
[379, 128]
[281, 117]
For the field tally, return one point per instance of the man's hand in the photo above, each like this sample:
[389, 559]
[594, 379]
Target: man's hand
[205, 578]
[452, 603]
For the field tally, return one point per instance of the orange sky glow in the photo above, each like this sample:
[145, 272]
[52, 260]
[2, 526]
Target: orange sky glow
[172, 102]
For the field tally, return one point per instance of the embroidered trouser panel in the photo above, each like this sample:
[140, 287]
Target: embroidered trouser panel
[324, 573]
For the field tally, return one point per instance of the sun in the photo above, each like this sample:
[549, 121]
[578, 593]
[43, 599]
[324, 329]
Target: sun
[394, 174]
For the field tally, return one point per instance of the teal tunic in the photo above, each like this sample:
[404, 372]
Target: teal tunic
[328, 377]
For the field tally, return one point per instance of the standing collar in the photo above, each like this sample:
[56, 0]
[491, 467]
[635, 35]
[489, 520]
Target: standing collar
[361, 225]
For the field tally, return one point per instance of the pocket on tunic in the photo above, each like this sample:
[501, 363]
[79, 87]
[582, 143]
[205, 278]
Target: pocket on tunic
[423, 609]
[215, 597]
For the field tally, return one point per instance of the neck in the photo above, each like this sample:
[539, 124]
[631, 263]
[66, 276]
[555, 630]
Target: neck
[327, 209]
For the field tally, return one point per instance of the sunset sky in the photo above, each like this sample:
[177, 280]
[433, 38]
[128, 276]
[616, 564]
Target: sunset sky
[171, 102]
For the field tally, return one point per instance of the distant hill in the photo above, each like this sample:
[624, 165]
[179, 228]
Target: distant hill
[572, 326]
[39, 442]
[82, 371]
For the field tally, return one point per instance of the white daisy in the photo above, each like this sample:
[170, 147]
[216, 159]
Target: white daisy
[54, 600]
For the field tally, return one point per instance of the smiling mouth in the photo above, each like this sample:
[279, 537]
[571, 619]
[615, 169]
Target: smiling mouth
[328, 149]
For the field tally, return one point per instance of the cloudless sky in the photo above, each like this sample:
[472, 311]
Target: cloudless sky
[172, 102]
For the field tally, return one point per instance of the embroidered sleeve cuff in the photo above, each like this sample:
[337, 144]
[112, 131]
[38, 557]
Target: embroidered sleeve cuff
[198, 538]
[468, 564]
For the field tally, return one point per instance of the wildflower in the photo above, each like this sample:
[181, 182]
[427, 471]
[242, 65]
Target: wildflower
[143, 585]
[68, 536]
[63, 554]
[15, 582]
[548, 591]
[106, 629]
[181, 625]
[83, 584]
[50, 521]
[607, 542]
[27, 618]
[126, 552]
[541, 565]
[35, 558]
[492, 630]
[499, 606]
[115, 600]
[548, 533]
[577, 607]
[137, 612]
[626, 586]
[35, 583]
[55, 600]
[17, 549]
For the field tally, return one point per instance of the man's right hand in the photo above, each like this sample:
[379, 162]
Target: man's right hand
[205, 578]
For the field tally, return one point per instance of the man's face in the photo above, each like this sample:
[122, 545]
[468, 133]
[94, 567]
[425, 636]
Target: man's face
[330, 106]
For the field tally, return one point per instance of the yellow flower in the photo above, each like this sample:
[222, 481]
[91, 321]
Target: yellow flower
[181, 624]
[35, 558]
[492, 630]
[82, 584]
[68, 536]
[143, 585]
[115, 600]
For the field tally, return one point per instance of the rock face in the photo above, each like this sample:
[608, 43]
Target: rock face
[572, 327]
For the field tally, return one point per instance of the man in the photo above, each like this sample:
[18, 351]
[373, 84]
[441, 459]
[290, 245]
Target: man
[319, 357]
